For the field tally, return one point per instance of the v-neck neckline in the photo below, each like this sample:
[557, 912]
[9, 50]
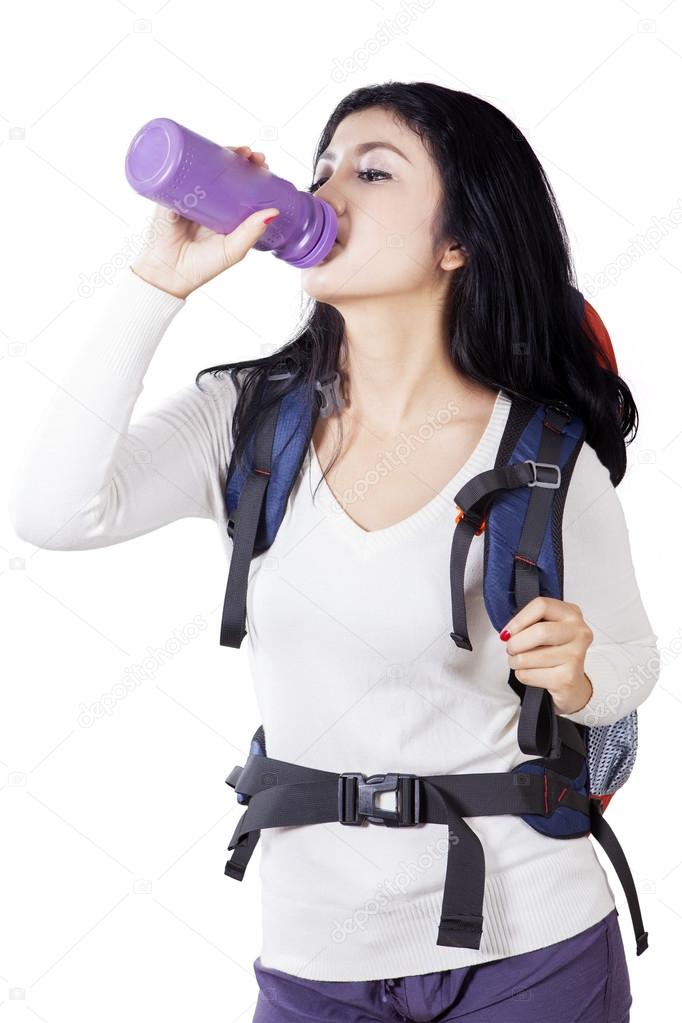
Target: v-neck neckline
[479, 459]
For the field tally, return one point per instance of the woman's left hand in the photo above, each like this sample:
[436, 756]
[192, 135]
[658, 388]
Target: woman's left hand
[549, 639]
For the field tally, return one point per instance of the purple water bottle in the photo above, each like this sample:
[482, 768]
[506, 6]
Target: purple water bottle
[213, 186]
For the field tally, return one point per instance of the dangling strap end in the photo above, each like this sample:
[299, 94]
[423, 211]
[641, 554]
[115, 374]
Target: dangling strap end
[460, 931]
[462, 641]
[235, 870]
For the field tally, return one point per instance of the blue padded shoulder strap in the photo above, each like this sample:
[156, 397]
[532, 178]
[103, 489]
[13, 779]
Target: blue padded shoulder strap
[507, 515]
[518, 504]
[291, 441]
[257, 491]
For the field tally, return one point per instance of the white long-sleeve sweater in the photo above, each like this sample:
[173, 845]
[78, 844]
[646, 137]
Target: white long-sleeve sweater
[349, 646]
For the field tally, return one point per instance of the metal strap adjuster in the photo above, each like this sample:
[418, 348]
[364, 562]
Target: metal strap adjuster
[356, 799]
[550, 484]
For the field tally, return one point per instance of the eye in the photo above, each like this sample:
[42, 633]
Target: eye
[370, 170]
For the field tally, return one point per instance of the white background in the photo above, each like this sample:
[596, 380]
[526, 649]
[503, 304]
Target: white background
[114, 901]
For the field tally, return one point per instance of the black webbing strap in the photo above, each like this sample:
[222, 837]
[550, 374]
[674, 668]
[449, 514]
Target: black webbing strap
[258, 773]
[282, 794]
[473, 500]
[526, 574]
[613, 849]
[245, 526]
[570, 735]
[537, 729]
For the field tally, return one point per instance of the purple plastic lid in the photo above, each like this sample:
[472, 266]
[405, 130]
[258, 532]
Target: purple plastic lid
[324, 242]
[153, 163]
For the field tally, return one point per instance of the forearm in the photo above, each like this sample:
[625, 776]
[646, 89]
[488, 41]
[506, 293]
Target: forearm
[68, 471]
[623, 660]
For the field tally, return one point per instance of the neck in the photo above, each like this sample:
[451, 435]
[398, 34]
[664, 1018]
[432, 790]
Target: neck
[397, 366]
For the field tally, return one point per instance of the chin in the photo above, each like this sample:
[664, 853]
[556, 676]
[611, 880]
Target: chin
[321, 291]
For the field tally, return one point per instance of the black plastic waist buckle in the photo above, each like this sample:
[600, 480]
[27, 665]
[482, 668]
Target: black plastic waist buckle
[356, 799]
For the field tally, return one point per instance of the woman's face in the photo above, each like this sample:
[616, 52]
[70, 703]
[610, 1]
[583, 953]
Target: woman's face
[386, 202]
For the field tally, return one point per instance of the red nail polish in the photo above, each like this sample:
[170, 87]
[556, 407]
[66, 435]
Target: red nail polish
[505, 635]
[268, 219]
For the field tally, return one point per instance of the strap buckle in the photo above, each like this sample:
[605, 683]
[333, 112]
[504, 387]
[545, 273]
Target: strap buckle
[478, 522]
[329, 387]
[356, 799]
[563, 411]
[274, 371]
[549, 484]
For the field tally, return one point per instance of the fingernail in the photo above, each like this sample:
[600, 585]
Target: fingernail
[505, 635]
[268, 219]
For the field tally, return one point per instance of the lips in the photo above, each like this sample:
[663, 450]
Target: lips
[331, 252]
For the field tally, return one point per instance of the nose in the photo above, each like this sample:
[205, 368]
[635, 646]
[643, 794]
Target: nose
[333, 197]
[336, 202]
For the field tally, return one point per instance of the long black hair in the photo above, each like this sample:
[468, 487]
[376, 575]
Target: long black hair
[509, 313]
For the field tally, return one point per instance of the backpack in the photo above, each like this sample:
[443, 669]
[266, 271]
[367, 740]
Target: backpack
[517, 507]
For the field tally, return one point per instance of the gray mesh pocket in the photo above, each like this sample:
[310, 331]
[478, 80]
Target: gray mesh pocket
[611, 753]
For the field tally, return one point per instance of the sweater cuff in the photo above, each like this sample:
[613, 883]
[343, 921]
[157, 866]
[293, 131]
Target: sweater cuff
[603, 707]
[137, 314]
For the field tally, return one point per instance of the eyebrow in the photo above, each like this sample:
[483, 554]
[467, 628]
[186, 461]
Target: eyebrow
[364, 147]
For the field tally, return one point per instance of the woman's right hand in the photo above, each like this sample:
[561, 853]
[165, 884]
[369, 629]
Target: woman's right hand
[184, 255]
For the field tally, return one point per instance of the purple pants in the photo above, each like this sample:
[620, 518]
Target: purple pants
[583, 978]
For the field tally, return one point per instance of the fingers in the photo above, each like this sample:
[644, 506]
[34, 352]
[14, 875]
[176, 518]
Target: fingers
[540, 634]
[543, 657]
[254, 155]
[538, 608]
[257, 157]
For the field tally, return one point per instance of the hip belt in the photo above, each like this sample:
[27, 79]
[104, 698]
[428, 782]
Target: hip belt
[282, 794]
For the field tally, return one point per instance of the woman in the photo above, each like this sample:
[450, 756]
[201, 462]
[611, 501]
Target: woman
[446, 295]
